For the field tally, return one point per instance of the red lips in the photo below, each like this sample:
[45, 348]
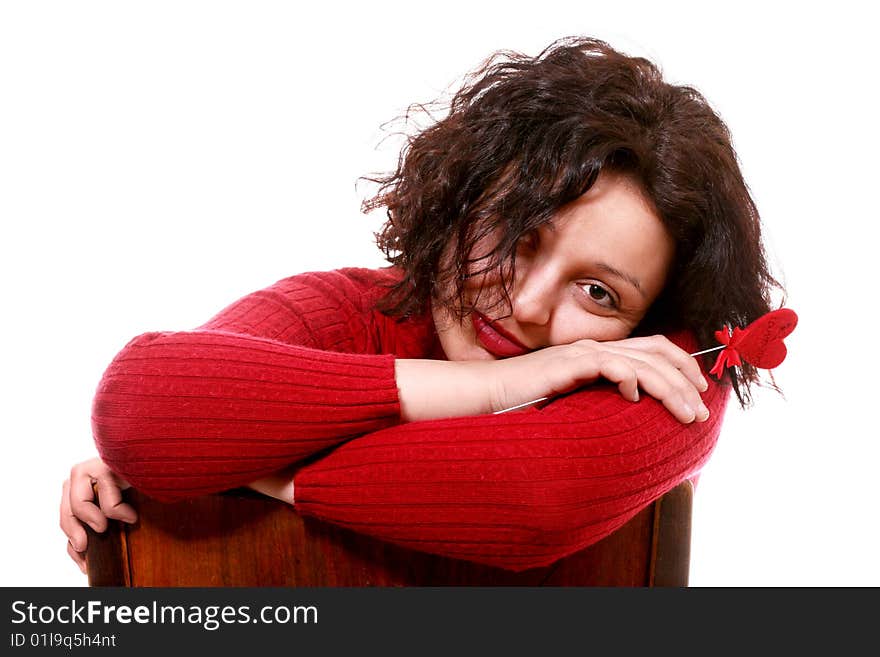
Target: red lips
[495, 339]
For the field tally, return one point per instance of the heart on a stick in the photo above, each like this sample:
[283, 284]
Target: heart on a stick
[760, 343]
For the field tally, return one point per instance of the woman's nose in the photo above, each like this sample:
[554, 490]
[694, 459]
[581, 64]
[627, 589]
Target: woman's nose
[534, 296]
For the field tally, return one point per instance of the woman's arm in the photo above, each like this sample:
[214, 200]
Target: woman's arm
[523, 489]
[189, 413]
[278, 374]
[517, 490]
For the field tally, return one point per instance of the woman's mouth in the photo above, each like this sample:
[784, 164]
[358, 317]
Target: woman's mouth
[495, 339]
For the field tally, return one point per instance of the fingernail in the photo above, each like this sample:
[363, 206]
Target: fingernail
[94, 526]
[704, 382]
[703, 414]
[689, 412]
[635, 395]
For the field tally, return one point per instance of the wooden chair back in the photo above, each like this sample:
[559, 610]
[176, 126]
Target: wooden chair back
[240, 538]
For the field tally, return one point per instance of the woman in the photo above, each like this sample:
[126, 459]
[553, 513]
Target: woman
[569, 232]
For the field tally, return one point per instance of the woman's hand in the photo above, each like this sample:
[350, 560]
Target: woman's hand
[78, 505]
[434, 389]
[653, 364]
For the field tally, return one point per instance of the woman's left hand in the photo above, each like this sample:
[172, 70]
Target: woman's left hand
[78, 505]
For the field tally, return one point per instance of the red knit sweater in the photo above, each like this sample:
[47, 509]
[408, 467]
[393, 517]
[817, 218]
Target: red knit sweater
[307, 366]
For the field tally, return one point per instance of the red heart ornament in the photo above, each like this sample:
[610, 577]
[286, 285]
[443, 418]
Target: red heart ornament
[760, 343]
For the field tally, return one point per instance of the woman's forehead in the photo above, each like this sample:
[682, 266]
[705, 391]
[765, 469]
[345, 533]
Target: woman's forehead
[613, 228]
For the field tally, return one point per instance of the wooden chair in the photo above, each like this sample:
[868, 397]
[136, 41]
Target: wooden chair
[240, 538]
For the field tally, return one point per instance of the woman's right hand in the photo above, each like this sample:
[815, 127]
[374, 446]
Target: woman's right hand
[435, 389]
[78, 505]
[653, 364]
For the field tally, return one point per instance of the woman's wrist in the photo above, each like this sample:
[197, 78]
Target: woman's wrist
[434, 389]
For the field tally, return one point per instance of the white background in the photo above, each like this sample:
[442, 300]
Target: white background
[160, 159]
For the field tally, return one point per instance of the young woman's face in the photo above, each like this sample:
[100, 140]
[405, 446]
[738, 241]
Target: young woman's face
[592, 272]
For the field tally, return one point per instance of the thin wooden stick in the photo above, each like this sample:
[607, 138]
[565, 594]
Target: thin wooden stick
[540, 399]
[523, 405]
[706, 351]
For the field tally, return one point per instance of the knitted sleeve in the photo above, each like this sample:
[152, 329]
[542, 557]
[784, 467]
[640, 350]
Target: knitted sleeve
[517, 490]
[278, 375]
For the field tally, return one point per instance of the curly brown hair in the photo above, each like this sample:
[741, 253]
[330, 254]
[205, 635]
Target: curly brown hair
[524, 136]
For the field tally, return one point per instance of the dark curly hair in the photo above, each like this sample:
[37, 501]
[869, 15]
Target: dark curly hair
[524, 136]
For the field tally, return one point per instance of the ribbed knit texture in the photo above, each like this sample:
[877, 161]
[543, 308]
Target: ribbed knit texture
[269, 380]
[307, 364]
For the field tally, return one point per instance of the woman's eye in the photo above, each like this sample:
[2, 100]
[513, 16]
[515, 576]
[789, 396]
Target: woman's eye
[599, 295]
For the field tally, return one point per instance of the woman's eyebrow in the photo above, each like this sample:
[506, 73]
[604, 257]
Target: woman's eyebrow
[632, 280]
